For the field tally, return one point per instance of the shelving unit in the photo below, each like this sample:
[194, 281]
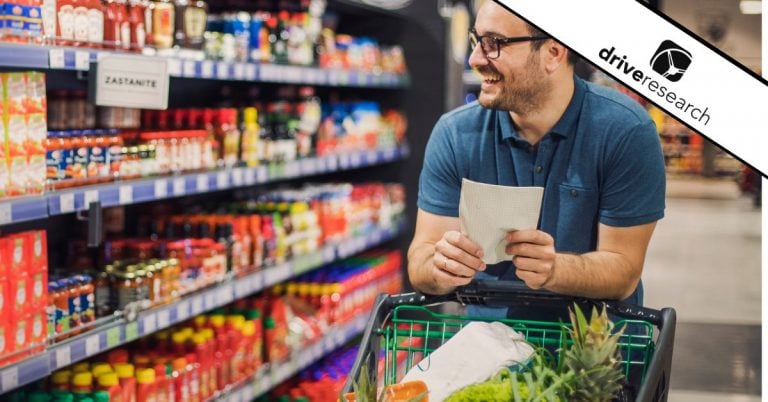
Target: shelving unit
[121, 330]
[72, 65]
[22, 209]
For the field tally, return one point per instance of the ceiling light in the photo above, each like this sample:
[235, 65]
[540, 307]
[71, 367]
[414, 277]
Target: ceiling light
[751, 6]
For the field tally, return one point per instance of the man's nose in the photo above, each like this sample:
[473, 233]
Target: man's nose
[477, 57]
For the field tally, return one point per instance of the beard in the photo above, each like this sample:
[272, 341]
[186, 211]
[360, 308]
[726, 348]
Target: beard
[518, 93]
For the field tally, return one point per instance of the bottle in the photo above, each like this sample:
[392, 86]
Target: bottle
[49, 10]
[191, 17]
[97, 369]
[211, 363]
[82, 383]
[100, 396]
[180, 33]
[200, 349]
[115, 155]
[118, 356]
[110, 383]
[163, 388]
[79, 157]
[222, 133]
[163, 24]
[124, 26]
[126, 376]
[61, 380]
[80, 13]
[70, 288]
[98, 159]
[95, 23]
[178, 343]
[193, 377]
[86, 290]
[249, 152]
[137, 10]
[179, 379]
[146, 390]
[65, 29]
[103, 303]
[81, 367]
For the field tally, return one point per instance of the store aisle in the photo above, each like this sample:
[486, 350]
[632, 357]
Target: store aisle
[704, 260]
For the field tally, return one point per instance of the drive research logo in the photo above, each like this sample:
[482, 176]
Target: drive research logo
[671, 60]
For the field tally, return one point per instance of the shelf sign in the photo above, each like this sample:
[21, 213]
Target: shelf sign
[131, 81]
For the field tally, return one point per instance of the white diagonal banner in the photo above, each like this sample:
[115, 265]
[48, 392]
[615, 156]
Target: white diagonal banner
[664, 64]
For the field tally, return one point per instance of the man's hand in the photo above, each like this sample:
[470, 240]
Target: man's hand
[456, 260]
[534, 253]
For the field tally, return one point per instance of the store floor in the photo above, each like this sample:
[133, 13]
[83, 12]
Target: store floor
[704, 260]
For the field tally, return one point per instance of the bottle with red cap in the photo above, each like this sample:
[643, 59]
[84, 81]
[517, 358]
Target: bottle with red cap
[163, 387]
[193, 377]
[180, 379]
[146, 388]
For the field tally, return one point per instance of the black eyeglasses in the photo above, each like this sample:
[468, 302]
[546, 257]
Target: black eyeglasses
[491, 45]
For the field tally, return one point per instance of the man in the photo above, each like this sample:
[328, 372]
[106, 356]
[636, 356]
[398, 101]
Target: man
[595, 152]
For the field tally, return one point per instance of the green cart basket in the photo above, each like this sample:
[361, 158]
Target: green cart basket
[404, 329]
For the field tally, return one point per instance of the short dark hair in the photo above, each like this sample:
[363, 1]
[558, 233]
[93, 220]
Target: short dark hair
[573, 58]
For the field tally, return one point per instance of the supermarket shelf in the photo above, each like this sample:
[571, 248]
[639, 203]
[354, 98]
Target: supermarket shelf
[131, 192]
[63, 58]
[121, 331]
[334, 338]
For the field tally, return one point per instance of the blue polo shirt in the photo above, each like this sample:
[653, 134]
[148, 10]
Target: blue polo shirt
[601, 162]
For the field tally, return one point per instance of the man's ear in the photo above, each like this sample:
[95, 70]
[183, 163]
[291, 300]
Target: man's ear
[554, 54]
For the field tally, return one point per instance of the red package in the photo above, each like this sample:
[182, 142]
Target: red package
[6, 342]
[37, 290]
[5, 256]
[22, 329]
[38, 330]
[18, 296]
[4, 319]
[36, 250]
[17, 253]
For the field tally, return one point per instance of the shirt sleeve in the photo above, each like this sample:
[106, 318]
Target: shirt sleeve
[440, 182]
[634, 183]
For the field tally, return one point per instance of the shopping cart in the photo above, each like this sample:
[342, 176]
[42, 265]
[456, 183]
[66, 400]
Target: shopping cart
[403, 329]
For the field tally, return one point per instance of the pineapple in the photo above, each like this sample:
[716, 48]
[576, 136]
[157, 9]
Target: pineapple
[593, 358]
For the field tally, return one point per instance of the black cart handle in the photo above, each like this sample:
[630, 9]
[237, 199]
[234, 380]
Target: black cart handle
[507, 292]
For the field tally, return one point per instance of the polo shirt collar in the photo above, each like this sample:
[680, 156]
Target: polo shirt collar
[566, 125]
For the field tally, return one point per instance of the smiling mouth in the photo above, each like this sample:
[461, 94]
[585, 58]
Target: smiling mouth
[491, 78]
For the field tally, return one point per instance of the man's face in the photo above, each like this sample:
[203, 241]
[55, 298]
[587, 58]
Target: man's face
[515, 80]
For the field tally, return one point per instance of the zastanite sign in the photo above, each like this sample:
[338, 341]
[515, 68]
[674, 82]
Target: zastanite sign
[132, 81]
